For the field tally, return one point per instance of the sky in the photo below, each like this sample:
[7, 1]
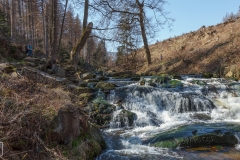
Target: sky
[190, 15]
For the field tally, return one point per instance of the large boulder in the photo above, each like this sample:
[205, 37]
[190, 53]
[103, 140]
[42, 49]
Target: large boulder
[101, 112]
[71, 128]
[226, 139]
[67, 124]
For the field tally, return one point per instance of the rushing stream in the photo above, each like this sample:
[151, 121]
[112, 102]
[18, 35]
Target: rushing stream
[167, 114]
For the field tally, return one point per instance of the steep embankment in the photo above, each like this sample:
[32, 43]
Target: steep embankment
[213, 49]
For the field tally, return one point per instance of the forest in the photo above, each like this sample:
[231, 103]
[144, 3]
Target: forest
[57, 28]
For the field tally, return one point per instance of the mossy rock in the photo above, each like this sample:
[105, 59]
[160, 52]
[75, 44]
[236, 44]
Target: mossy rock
[173, 143]
[142, 83]
[226, 139]
[173, 84]
[105, 86]
[129, 115]
[79, 90]
[87, 96]
[101, 112]
[152, 84]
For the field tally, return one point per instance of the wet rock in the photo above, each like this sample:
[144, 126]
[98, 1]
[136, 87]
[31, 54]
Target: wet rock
[201, 116]
[105, 86]
[191, 102]
[127, 118]
[209, 139]
[101, 112]
[142, 83]
[152, 84]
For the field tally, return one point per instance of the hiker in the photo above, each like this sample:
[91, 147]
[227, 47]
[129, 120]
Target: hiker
[161, 57]
[29, 49]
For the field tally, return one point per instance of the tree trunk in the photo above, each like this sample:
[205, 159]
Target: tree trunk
[75, 53]
[43, 26]
[85, 17]
[60, 38]
[143, 31]
[55, 35]
[75, 57]
[8, 13]
[47, 33]
[32, 26]
[20, 17]
[13, 21]
[29, 20]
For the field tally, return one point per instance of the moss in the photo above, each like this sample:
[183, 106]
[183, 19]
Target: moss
[87, 96]
[105, 86]
[173, 84]
[169, 143]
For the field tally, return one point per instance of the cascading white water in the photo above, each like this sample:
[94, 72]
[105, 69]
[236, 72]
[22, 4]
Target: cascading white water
[160, 109]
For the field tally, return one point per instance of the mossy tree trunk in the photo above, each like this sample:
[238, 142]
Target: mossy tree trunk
[75, 53]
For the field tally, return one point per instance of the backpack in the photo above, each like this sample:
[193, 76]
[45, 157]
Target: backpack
[26, 49]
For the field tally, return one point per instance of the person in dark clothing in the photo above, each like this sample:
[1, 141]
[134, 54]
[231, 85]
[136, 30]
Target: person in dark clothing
[30, 48]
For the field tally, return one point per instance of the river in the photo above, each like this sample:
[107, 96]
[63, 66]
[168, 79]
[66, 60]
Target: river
[164, 115]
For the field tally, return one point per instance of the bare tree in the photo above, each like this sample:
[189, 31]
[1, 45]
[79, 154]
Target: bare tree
[136, 11]
[55, 34]
[63, 20]
[13, 21]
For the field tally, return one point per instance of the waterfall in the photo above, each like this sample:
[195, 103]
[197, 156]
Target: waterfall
[143, 112]
[149, 103]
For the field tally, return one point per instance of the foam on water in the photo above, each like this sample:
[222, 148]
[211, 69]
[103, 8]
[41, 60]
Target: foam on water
[160, 110]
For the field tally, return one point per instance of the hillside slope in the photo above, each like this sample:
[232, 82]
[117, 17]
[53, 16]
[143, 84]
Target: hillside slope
[213, 49]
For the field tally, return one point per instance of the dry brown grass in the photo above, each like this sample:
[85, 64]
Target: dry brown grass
[26, 110]
[204, 50]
